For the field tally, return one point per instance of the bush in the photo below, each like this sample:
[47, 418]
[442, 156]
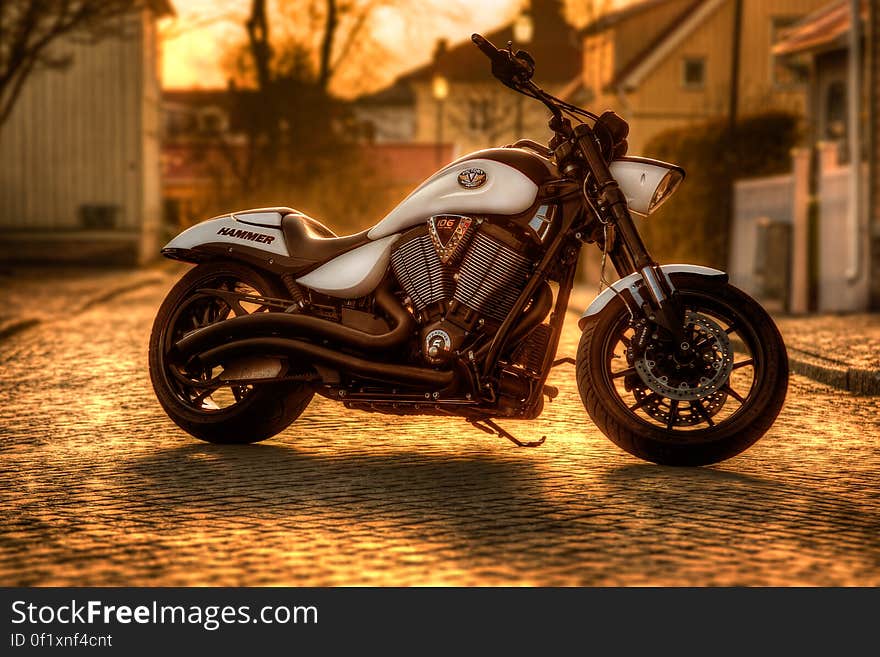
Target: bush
[694, 225]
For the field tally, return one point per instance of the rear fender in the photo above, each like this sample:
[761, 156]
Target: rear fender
[228, 232]
[631, 288]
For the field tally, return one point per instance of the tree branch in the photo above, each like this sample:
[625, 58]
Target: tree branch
[331, 23]
[30, 27]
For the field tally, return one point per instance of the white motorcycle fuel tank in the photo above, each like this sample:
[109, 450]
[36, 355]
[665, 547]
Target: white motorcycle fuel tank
[496, 181]
[500, 181]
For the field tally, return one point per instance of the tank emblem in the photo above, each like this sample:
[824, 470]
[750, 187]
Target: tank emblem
[448, 233]
[472, 178]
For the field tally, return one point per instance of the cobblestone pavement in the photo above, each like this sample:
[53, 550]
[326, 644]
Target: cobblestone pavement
[852, 339]
[26, 302]
[100, 488]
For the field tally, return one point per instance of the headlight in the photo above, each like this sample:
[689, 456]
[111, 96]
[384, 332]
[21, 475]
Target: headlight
[646, 183]
[665, 189]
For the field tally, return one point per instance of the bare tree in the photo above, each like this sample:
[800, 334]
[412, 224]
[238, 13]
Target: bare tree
[284, 72]
[29, 28]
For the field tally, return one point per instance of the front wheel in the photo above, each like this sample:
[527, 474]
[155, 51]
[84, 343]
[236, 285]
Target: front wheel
[696, 403]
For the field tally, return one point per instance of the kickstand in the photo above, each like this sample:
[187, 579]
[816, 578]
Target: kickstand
[491, 427]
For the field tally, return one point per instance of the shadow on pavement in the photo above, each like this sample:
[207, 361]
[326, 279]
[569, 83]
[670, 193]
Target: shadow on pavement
[285, 482]
[486, 501]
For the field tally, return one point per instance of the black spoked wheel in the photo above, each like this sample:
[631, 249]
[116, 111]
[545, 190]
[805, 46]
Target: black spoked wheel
[206, 402]
[694, 403]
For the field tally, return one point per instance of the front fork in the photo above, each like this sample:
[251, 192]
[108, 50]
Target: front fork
[628, 252]
[662, 304]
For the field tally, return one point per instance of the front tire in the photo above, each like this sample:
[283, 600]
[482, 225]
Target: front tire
[637, 409]
[235, 414]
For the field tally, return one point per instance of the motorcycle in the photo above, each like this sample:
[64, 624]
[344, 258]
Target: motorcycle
[453, 305]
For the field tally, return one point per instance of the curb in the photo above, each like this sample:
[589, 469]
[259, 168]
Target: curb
[13, 326]
[836, 374]
[9, 327]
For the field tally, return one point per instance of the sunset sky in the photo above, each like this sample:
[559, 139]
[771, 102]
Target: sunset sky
[199, 37]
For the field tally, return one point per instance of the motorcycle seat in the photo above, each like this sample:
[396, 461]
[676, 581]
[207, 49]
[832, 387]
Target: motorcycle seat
[310, 240]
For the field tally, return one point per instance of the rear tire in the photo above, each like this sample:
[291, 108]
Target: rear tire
[257, 413]
[605, 393]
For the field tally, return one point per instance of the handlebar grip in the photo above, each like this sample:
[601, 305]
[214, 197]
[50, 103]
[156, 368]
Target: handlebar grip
[485, 45]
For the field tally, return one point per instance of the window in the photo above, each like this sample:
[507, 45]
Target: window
[693, 72]
[835, 112]
[785, 72]
[479, 115]
[213, 121]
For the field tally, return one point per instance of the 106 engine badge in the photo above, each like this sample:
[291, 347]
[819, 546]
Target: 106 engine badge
[448, 233]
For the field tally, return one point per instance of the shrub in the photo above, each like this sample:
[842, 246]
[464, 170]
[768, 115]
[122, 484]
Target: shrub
[694, 226]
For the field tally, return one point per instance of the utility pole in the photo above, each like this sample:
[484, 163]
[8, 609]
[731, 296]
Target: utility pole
[736, 35]
[856, 268]
[872, 77]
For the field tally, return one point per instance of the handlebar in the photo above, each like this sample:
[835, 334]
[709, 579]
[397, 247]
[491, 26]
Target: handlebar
[513, 70]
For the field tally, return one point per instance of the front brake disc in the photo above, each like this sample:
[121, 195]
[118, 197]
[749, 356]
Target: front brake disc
[703, 375]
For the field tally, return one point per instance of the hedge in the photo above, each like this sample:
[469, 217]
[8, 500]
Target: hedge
[694, 225]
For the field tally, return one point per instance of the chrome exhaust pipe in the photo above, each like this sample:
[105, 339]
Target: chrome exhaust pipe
[285, 347]
[273, 324]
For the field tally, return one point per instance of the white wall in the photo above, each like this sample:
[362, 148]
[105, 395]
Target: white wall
[772, 198]
[836, 292]
[86, 134]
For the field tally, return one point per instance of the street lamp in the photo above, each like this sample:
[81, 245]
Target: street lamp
[440, 90]
[523, 27]
[523, 30]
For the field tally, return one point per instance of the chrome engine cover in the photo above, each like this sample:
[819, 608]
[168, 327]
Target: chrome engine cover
[461, 277]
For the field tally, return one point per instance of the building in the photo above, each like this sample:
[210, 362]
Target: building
[840, 161]
[205, 151]
[202, 139]
[456, 99]
[79, 155]
[387, 116]
[664, 64]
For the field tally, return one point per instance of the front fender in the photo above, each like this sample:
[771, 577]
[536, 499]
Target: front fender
[632, 285]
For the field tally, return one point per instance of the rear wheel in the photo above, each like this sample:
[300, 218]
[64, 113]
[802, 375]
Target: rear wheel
[199, 401]
[692, 404]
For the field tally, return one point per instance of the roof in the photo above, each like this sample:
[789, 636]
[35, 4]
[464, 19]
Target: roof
[396, 94]
[824, 29]
[612, 18]
[555, 47]
[632, 72]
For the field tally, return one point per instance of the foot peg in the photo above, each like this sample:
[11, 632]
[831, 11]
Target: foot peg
[491, 427]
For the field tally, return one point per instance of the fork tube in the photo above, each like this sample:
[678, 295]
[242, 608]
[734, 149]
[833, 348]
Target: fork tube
[667, 310]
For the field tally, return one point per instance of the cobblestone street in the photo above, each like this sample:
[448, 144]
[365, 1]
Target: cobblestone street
[100, 488]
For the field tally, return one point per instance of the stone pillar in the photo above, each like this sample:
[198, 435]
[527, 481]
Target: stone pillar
[829, 155]
[873, 196]
[799, 298]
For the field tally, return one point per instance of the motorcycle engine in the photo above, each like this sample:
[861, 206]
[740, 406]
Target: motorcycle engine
[463, 276]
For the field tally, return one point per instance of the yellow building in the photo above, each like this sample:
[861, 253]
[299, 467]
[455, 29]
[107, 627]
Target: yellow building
[458, 102]
[666, 63]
